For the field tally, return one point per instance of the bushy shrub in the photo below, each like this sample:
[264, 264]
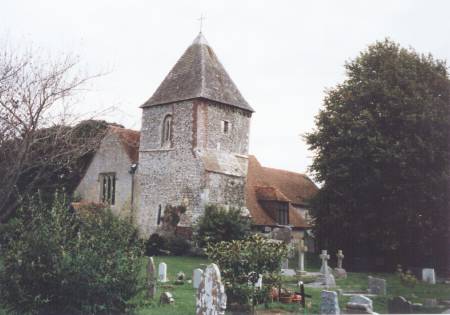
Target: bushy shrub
[242, 261]
[62, 262]
[167, 244]
[219, 224]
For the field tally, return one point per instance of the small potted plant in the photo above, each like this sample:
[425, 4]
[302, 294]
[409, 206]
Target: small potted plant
[285, 296]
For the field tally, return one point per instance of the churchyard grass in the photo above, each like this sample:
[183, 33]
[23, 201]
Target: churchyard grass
[185, 295]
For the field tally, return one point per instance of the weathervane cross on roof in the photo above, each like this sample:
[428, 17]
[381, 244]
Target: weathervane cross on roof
[201, 21]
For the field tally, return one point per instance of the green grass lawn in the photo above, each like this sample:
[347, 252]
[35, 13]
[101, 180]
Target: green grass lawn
[185, 295]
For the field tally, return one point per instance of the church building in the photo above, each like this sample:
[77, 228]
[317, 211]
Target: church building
[192, 150]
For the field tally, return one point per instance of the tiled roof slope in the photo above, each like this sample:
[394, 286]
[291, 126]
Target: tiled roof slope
[129, 140]
[278, 185]
[198, 74]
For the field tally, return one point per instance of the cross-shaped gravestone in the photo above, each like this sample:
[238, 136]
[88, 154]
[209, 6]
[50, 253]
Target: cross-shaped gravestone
[324, 257]
[340, 257]
[211, 297]
[151, 277]
[302, 248]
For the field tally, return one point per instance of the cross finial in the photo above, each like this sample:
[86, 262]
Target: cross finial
[201, 21]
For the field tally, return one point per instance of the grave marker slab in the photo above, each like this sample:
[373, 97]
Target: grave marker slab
[162, 272]
[151, 277]
[377, 286]
[211, 297]
[196, 277]
[428, 275]
[329, 303]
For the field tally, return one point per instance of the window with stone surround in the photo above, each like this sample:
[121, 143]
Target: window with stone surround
[166, 134]
[283, 216]
[225, 126]
[108, 188]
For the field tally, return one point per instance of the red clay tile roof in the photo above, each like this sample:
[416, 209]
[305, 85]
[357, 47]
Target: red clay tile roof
[297, 188]
[130, 141]
[270, 193]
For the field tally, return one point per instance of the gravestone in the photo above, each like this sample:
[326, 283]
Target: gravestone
[377, 286]
[162, 272]
[166, 298]
[339, 271]
[211, 297]
[326, 278]
[196, 277]
[428, 275]
[329, 303]
[151, 277]
[359, 304]
[399, 305]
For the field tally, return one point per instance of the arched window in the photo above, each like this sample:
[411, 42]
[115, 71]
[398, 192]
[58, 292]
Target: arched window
[166, 140]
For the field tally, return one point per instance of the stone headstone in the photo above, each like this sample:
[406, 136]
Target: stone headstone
[162, 272]
[166, 298]
[151, 277]
[285, 264]
[282, 234]
[288, 272]
[259, 282]
[399, 305]
[340, 257]
[211, 297]
[196, 277]
[360, 302]
[339, 271]
[324, 257]
[329, 303]
[428, 275]
[377, 286]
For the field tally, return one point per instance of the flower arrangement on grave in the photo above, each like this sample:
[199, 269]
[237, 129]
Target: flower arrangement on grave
[407, 279]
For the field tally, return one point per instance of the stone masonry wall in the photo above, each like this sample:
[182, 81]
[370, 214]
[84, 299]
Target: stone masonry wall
[175, 175]
[110, 158]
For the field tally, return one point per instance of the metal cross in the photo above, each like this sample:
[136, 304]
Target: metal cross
[201, 21]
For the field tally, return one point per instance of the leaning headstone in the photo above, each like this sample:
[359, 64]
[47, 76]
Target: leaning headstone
[166, 298]
[358, 304]
[340, 272]
[329, 303]
[399, 305]
[211, 297]
[196, 277]
[162, 272]
[151, 277]
[428, 275]
[377, 286]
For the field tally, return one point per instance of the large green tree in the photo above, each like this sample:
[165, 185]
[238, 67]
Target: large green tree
[381, 151]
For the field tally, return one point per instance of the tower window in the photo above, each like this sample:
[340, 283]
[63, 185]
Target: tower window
[166, 139]
[108, 188]
[158, 219]
[225, 126]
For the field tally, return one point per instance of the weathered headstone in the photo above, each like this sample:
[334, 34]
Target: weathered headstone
[340, 272]
[151, 277]
[181, 277]
[329, 303]
[428, 275]
[166, 298]
[360, 303]
[196, 277]
[399, 305]
[211, 297]
[377, 286]
[285, 264]
[302, 249]
[162, 272]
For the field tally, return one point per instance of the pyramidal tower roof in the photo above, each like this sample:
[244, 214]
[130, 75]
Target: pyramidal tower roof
[198, 74]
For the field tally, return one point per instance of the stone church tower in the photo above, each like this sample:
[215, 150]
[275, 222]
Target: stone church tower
[194, 140]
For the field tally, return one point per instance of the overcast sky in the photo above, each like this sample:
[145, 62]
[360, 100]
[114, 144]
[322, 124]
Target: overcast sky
[282, 55]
